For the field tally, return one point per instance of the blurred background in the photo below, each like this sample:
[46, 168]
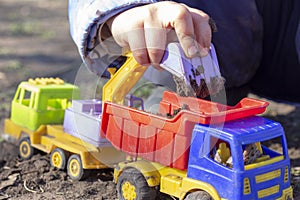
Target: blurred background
[34, 42]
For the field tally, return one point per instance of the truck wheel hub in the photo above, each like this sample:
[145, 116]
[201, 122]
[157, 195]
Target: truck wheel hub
[128, 191]
[56, 159]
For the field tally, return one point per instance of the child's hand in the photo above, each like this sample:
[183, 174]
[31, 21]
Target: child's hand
[146, 30]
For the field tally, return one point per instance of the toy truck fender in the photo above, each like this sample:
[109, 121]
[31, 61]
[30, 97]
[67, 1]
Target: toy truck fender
[16, 132]
[189, 185]
[151, 174]
[153, 177]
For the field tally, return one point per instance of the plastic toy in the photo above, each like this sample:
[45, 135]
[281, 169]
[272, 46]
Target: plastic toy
[191, 149]
[196, 149]
[178, 153]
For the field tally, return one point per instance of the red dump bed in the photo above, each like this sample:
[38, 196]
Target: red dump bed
[165, 137]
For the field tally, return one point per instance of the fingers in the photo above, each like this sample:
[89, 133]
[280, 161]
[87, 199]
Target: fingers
[137, 44]
[182, 22]
[202, 30]
[147, 45]
[156, 43]
[130, 34]
[150, 41]
[193, 30]
[148, 34]
[145, 37]
[191, 26]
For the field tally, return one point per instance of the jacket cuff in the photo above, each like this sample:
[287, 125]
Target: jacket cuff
[86, 20]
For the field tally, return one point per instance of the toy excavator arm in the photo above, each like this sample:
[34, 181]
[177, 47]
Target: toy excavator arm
[122, 81]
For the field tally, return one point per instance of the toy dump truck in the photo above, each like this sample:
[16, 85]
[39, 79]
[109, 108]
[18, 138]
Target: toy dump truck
[42, 118]
[194, 149]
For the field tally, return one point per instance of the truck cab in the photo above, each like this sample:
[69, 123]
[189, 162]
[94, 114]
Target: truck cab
[42, 101]
[266, 177]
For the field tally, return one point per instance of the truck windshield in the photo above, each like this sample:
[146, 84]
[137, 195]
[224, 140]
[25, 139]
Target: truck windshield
[263, 153]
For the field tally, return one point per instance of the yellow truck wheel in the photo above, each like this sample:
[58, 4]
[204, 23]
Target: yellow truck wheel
[198, 195]
[74, 168]
[58, 158]
[26, 151]
[133, 186]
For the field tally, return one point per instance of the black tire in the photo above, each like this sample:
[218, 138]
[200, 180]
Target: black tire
[26, 151]
[138, 189]
[74, 168]
[58, 158]
[198, 195]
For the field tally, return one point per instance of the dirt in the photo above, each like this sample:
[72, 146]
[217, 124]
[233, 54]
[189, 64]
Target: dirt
[35, 179]
[35, 41]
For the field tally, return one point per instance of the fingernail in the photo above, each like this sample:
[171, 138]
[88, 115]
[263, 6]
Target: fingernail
[203, 52]
[192, 51]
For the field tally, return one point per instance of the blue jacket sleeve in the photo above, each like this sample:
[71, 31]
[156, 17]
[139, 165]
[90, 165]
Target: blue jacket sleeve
[86, 16]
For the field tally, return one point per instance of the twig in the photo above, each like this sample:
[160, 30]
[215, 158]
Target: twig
[6, 167]
[41, 189]
[25, 161]
[29, 172]
[25, 186]
[33, 191]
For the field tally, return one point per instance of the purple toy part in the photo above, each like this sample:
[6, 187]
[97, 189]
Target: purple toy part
[87, 106]
[83, 120]
[131, 99]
